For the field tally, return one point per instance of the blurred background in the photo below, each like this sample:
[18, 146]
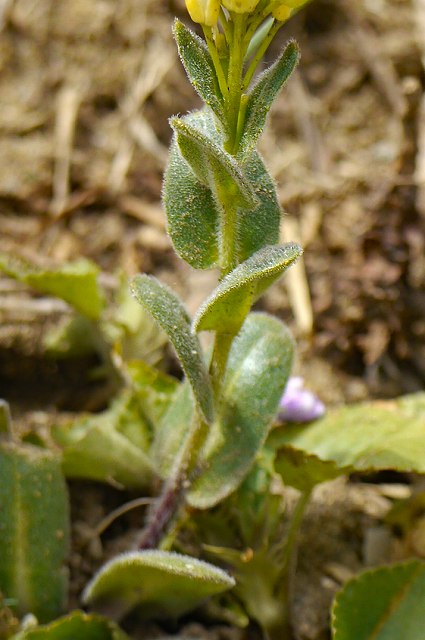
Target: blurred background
[86, 90]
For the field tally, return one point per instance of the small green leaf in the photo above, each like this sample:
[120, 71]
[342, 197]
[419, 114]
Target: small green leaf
[192, 214]
[383, 604]
[34, 530]
[75, 282]
[259, 364]
[199, 67]
[303, 470]
[159, 583]
[262, 95]
[214, 167]
[170, 314]
[172, 431]
[75, 626]
[258, 227]
[108, 447]
[155, 389]
[225, 309]
[367, 437]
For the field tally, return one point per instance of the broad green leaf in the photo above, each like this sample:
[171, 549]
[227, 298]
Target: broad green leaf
[5, 419]
[225, 309]
[77, 625]
[382, 604]
[108, 447]
[262, 95]
[192, 214]
[368, 436]
[75, 282]
[155, 389]
[172, 431]
[170, 314]
[259, 364]
[305, 470]
[199, 67]
[214, 167]
[34, 530]
[159, 583]
[258, 227]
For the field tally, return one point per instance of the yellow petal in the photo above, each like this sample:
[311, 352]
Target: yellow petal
[204, 11]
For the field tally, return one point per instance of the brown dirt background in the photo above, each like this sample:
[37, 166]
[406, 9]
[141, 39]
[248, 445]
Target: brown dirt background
[86, 88]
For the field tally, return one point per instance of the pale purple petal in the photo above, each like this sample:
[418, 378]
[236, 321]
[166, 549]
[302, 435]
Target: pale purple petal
[299, 404]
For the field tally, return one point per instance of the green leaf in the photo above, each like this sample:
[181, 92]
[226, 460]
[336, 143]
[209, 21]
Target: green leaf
[75, 282]
[303, 470]
[258, 227]
[76, 626]
[170, 314]
[159, 583]
[214, 167]
[192, 214]
[155, 389]
[172, 431]
[259, 364]
[199, 67]
[262, 95]
[108, 447]
[367, 437]
[34, 530]
[225, 309]
[383, 604]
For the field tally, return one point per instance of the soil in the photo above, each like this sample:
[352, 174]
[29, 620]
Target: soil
[87, 89]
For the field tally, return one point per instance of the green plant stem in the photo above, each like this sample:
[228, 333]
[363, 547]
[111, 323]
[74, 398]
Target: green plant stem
[222, 82]
[234, 80]
[222, 344]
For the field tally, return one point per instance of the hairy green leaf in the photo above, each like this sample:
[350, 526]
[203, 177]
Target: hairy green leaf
[225, 309]
[110, 446]
[258, 227]
[170, 314]
[77, 625]
[262, 95]
[367, 437]
[192, 214]
[34, 530]
[199, 67]
[159, 583]
[382, 604]
[259, 364]
[172, 431]
[213, 166]
[75, 282]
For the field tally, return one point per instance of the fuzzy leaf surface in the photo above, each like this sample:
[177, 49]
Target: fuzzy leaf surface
[213, 166]
[263, 93]
[170, 314]
[77, 625]
[225, 309]
[34, 530]
[199, 67]
[108, 447]
[75, 282]
[259, 364]
[172, 431]
[383, 604]
[159, 583]
[367, 437]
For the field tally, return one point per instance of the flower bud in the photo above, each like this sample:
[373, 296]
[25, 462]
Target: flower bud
[283, 10]
[240, 6]
[299, 404]
[204, 11]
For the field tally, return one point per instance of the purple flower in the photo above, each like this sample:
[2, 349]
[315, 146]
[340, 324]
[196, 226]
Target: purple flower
[299, 404]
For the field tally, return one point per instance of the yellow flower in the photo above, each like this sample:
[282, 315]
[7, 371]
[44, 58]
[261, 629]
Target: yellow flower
[204, 11]
[240, 6]
[282, 10]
